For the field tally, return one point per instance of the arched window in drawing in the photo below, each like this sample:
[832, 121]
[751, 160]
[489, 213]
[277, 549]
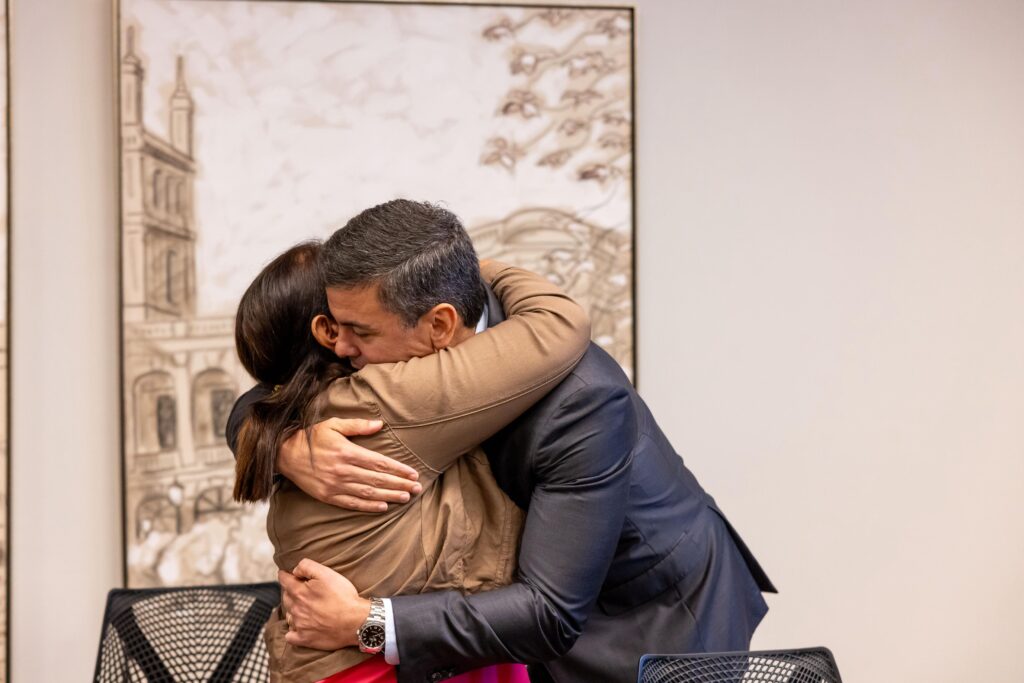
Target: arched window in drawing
[156, 413]
[172, 195]
[171, 270]
[169, 193]
[156, 514]
[213, 394]
[157, 186]
[215, 500]
[181, 197]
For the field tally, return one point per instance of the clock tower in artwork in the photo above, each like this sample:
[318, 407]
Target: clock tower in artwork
[157, 180]
[181, 373]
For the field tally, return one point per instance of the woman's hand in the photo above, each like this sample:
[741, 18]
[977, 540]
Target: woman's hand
[322, 607]
[343, 474]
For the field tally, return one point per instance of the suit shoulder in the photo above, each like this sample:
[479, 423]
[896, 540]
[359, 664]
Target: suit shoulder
[597, 388]
[596, 374]
[598, 368]
[595, 379]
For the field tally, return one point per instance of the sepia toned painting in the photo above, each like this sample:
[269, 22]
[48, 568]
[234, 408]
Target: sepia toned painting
[249, 126]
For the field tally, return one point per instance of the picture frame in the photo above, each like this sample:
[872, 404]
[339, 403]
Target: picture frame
[248, 125]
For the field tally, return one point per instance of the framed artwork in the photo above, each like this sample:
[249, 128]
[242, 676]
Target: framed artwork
[247, 126]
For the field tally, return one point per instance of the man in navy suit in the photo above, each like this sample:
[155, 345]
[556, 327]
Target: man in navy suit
[623, 552]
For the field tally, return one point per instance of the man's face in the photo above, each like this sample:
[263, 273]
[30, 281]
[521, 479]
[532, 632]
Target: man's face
[367, 333]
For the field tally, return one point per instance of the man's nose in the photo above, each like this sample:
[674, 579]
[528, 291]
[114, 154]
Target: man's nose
[344, 348]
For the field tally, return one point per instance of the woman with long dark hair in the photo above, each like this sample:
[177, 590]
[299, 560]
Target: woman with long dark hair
[462, 531]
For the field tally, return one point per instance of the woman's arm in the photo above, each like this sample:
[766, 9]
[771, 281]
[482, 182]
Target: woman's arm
[438, 407]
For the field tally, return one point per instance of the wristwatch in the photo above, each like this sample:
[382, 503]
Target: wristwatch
[371, 633]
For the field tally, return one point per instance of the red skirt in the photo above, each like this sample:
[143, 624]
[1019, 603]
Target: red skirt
[376, 670]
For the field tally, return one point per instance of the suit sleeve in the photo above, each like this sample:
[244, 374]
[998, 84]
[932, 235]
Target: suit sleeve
[239, 412]
[575, 518]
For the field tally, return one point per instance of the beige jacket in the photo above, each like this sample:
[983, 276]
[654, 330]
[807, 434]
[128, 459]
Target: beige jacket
[462, 532]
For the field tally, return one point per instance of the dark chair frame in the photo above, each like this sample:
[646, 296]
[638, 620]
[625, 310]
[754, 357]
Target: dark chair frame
[805, 665]
[120, 616]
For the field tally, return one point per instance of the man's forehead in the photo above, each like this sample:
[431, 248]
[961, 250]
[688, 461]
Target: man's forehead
[355, 301]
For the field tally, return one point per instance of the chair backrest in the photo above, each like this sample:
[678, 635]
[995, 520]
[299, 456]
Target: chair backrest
[810, 665]
[174, 635]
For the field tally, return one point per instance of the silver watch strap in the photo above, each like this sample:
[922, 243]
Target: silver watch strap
[377, 612]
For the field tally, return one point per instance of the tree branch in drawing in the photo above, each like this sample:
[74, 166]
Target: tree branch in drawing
[571, 94]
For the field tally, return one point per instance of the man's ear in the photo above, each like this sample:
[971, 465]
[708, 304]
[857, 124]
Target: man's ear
[325, 331]
[444, 322]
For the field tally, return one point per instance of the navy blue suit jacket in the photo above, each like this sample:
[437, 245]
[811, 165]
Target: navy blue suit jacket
[614, 519]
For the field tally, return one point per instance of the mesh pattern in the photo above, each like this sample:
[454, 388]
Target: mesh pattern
[783, 666]
[183, 635]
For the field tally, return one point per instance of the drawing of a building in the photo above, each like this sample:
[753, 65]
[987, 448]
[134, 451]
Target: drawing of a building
[181, 374]
[589, 262]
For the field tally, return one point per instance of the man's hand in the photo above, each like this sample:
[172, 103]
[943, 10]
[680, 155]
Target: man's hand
[343, 474]
[322, 607]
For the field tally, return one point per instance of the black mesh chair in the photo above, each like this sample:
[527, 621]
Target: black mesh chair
[812, 665]
[174, 635]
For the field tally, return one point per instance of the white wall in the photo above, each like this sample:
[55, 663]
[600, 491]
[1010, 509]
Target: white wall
[831, 280]
[832, 311]
[65, 483]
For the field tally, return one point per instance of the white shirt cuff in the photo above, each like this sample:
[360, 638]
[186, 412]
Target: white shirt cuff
[390, 637]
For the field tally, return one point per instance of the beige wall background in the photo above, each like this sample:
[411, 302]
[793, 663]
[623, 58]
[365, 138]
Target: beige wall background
[831, 316]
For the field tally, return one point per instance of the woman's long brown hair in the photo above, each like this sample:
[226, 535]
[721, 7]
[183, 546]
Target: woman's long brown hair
[275, 343]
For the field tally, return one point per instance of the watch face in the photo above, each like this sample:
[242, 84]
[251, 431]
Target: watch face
[372, 635]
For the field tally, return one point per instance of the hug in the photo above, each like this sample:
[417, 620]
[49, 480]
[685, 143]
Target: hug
[460, 482]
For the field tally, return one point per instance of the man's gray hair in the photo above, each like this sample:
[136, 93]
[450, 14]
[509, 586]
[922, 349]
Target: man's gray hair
[418, 253]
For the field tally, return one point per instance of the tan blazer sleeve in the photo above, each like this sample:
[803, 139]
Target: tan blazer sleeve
[438, 407]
